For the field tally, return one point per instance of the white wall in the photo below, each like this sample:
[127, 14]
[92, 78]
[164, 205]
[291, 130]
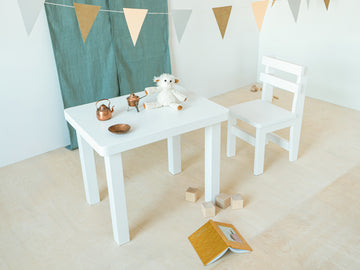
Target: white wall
[31, 108]
[327, 42]
[32, 120]
[206, 63]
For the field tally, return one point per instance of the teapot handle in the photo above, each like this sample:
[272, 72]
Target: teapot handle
[96, 104]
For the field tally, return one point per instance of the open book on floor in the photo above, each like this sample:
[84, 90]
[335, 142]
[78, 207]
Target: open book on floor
[213, 239]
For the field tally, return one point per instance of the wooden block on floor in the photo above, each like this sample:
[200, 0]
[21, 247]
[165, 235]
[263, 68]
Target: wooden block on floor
[237, 201]
[208, 209]
[254, 88]
[223, 200]
[192, 194]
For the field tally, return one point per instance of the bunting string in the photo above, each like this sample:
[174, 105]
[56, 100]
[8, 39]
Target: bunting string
[60, 5]
[103, 10]
[86, 15]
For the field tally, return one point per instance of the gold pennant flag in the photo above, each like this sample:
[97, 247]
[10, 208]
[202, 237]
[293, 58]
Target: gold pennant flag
[273, 3]
[222, 15]
[135, 18]
[86, 15]
[327, 2]
[259, 9]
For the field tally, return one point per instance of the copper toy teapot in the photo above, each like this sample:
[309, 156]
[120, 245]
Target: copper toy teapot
[103, 112]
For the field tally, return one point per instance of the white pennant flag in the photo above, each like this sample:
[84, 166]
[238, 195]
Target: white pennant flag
[295, 7]
[30, 10]
[180, 19]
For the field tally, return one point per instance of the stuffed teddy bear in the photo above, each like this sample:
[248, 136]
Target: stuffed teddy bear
[167, 96]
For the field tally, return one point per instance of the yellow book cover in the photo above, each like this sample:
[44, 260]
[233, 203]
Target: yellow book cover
[213, 239]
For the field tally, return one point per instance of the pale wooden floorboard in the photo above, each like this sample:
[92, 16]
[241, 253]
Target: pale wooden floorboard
[321, 233]
[297, 215]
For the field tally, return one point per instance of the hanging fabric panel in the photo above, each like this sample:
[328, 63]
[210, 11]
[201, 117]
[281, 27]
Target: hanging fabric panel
[137, 65]
[86, 70]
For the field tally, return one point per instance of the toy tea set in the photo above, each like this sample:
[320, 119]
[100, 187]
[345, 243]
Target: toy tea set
[167, 96]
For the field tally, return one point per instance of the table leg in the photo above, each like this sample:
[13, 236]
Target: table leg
[88, 171]
[174, 154]
[212, 162]
[116, 189]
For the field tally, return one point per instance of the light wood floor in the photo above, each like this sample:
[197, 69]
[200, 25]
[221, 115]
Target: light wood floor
[299, 215]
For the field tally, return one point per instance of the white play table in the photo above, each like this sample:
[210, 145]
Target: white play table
[147, 126]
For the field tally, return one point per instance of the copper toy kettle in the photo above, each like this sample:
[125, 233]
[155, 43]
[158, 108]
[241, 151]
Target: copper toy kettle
[103, 112]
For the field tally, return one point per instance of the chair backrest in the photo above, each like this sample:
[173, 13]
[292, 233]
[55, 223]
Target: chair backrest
[270, 81]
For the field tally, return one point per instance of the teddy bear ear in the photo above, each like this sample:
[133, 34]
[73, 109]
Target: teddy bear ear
[176, 80]
[156, 79]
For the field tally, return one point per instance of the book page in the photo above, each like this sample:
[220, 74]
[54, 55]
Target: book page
[232, 237]
[230, 234]
[219, 256]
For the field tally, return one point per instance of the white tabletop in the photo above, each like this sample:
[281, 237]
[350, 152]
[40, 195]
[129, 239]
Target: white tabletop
[147, 126]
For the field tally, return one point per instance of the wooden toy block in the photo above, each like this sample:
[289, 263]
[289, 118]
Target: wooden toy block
[223, 200]
[254, 88]
[192, 194]
[237, 201]
[208, 209]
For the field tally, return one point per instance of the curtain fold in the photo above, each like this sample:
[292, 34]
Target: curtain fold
[107, 64]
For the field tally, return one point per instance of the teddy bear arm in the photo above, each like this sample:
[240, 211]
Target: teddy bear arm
[151, 90]
[179, 96]
[175, 106]
[152, 105]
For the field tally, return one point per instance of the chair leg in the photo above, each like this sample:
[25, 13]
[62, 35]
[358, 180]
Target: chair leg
[260, 142]
[231, 138]
[294, 141]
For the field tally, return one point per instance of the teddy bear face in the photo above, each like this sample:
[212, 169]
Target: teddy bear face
[165, 81]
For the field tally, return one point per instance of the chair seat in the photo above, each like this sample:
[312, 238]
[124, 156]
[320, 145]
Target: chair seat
[259, 113]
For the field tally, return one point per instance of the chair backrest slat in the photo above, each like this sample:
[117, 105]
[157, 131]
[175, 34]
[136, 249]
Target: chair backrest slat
[270, 81]
[283, 66]
[278, 82]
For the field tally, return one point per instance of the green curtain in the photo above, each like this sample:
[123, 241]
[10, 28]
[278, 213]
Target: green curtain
[107, 64]
[138, 65]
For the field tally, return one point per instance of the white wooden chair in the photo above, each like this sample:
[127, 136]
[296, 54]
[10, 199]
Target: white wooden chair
[267, 117]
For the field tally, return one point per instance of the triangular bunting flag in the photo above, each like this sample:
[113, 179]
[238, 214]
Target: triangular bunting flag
[308, 3]
[180, 19]
[259, 9]
[273, 3]
[222, 15]
[134, 18]
[30, 11]
[86, 15]
[295, 6]
[327, 2]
